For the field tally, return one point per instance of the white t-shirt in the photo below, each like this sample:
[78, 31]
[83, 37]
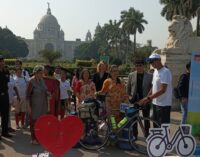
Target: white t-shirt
[11, 91]
[162, 76]
[25, 74]
[20, 84]
[64, 88]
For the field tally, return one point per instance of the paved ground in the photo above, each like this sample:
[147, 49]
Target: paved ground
[20, 146]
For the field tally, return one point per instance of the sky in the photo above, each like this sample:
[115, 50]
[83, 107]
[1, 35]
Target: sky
[76, 17]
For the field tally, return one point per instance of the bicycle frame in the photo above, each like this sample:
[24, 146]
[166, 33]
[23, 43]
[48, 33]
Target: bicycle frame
[132, 119]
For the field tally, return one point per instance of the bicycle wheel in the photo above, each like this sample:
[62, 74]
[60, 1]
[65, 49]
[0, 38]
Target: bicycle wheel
[96, 137]
[138, 133]
[156, 146]
[185, 146]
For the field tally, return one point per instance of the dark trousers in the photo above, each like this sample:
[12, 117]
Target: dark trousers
[4, 112]
[161, 114]
[145, 113]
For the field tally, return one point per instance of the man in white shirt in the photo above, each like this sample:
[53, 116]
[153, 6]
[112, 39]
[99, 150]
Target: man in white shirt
[161, 92]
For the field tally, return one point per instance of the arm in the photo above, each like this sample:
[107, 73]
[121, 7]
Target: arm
[28, 92]
[16, 92]
[105, 87]
[77, 89]
[151, 96]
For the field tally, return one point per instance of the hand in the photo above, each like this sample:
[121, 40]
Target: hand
[184, 100]
[144, 101]
[96, 93]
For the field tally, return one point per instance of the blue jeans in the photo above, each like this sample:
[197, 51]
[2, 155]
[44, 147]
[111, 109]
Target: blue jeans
[184, 110]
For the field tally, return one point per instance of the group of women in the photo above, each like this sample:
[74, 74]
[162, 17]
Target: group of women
[103, 83]
[43, 88]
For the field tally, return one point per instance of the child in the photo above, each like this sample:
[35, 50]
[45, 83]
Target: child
[64, 94]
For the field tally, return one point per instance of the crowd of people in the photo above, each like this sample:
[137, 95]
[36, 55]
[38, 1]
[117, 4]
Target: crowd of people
[49, 91]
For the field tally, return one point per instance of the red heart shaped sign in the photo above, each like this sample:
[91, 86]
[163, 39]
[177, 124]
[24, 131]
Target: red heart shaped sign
[58, 136]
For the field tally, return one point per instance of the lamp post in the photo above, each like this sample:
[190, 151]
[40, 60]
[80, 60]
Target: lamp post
[198, 18]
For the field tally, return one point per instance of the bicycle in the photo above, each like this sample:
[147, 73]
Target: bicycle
[159, 143]
[104, 132]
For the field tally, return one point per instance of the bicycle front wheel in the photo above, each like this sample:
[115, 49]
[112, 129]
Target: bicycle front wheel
[96, 137]
[139, 131]
[185, 146]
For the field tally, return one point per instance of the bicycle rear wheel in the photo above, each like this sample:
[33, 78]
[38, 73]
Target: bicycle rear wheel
[96, 137]
[138, 133]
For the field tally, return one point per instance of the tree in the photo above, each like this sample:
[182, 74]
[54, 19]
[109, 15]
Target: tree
[87, 51]
[186, 8]
[50, 55]
[11, 45]
[113, 36]
[132, 22]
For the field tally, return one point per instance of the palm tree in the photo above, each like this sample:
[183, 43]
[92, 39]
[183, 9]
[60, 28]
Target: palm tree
[132, 21]
[113, 36]
[186, 8]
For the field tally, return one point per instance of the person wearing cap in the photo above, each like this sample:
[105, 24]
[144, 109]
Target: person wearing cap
[36, 95]
[161, 91]
[138, 86]
[4, 98]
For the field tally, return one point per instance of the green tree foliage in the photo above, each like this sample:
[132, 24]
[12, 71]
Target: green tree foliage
[132, 22]
[50, 55]
[11, 45]
[113, 40]
[186, 8]
[144, 51]
[87, 51]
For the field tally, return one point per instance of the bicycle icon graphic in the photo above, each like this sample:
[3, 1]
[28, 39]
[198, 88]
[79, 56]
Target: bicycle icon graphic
[159, 143]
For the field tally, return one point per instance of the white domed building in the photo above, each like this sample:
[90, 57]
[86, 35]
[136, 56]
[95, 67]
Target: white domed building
[49, 35]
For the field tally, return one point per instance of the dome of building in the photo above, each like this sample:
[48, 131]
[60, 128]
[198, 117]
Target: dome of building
[48, 20]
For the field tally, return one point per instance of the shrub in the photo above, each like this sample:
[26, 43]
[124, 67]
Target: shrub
[83, 63]
[125, 69]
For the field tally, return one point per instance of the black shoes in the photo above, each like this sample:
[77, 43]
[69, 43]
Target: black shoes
[11, 129]
[7, 135]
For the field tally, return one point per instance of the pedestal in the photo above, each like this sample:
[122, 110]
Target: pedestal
[175, 59]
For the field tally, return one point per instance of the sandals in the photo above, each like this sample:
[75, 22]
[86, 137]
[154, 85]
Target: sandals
[34, 142]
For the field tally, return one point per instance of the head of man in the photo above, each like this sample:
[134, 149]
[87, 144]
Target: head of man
[139, 65]
[155, 60]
